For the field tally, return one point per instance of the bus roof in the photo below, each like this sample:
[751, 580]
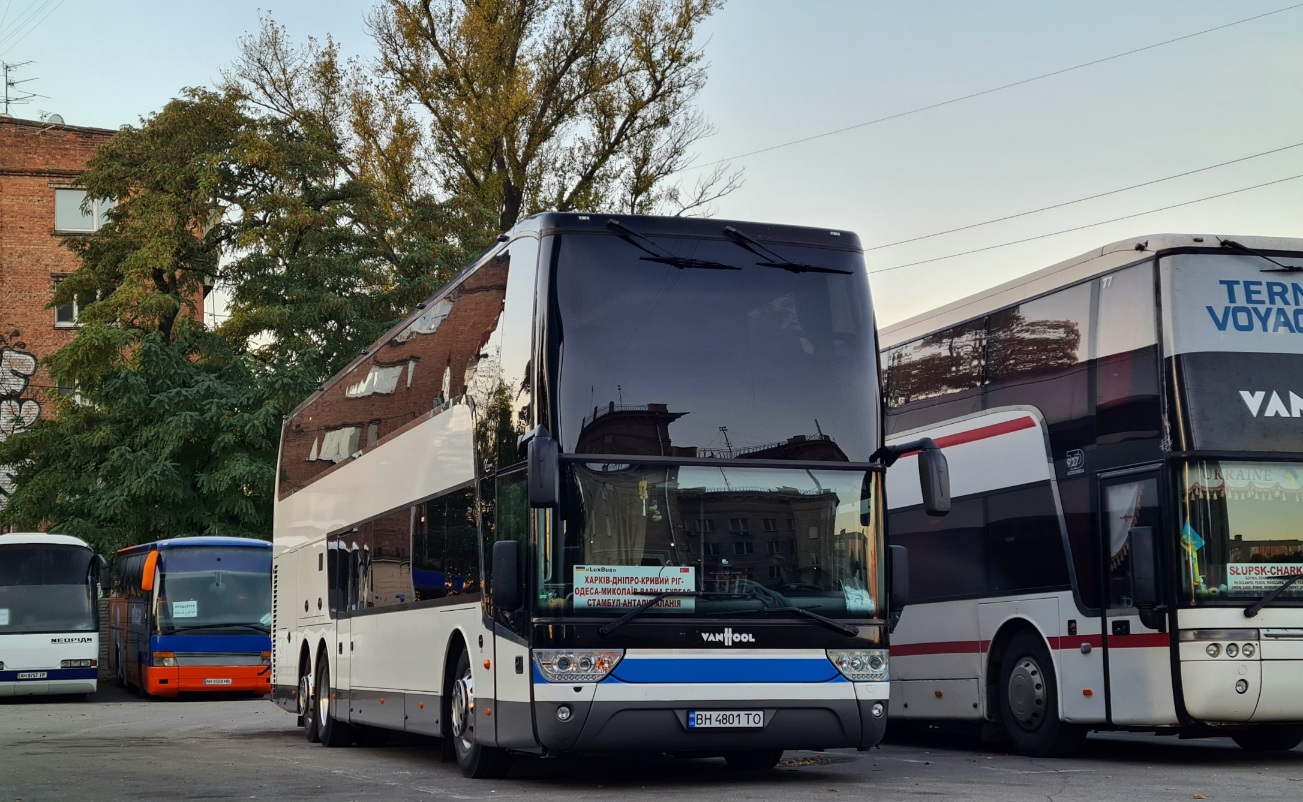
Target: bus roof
[202, 541]
[1071, 271]
[42, 539]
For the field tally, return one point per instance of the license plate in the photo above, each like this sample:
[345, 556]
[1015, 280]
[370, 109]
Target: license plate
[724, 719]
[217, 682]
[33, 674]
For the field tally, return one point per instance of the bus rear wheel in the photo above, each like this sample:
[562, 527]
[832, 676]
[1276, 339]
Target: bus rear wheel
[307, 709]
[475, 760]
[1269, 739]
[1029, 701]
[330, 731]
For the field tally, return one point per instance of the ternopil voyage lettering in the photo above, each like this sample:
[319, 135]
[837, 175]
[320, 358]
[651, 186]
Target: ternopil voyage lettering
[1265, 306]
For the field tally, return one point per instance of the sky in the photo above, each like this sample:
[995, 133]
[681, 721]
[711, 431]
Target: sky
[782, 71]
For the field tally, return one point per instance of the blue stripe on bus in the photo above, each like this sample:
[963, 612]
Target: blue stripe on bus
[724, 670]
[718, 670]
[51, 674]
[210, 643]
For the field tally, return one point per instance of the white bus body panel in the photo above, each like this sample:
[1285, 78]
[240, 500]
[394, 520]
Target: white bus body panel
[432, 457]
[38, 655]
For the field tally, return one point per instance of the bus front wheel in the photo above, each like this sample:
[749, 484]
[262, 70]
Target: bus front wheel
[475, 760]
[1029, 701]
[1269, 739]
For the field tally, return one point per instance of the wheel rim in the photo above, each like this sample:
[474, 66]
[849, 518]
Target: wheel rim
[323, 698]
[1026, 693]
[305, 694]
[463, 710]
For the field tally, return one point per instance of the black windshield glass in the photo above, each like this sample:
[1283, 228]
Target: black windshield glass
[46, 588]
[687, 358]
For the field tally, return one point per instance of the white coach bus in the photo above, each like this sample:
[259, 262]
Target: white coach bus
[49, 616]
[613, 488]
[1124, 548]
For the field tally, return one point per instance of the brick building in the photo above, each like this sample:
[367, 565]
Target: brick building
[39, 163]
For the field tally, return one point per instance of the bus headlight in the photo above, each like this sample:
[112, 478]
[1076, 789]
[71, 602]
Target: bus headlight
[1232, 650]
[166, 659]
[75, 664]
[1248, 650]
[1213, 649]
[576, 665]
[860, 665]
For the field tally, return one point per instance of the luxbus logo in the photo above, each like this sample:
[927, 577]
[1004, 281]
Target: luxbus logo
[728, 637]
[1276, 406]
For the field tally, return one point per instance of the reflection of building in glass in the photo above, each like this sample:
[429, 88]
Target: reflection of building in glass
[643, 430]
[420, 371]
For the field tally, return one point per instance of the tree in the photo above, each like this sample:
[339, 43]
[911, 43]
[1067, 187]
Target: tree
[179, 426]
[510, 107]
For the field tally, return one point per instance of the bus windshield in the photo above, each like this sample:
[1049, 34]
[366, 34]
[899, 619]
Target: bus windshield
[745, 538]
[713, 350]
[215, 589]
[46, 588]
[1240, 532]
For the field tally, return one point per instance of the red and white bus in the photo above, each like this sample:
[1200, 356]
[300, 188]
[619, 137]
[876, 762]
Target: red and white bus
[1127, 474]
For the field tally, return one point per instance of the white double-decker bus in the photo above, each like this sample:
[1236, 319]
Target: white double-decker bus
[49, 616]
[1123, 431]
[613, 488]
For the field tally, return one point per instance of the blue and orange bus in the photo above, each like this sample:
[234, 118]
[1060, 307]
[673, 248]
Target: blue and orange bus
[192, 614]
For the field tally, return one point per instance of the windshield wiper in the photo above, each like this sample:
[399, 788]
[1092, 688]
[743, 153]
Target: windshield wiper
[849, 630]
[1279, 268]
[1256, 607]
[254, 627]
[659, 254]
[656, 596]
[772, 259]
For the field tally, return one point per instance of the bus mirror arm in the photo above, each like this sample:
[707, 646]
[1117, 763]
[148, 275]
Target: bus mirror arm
[506, 575]
[543, 465]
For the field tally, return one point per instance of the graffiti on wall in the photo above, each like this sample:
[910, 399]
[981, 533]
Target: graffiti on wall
[16, 412]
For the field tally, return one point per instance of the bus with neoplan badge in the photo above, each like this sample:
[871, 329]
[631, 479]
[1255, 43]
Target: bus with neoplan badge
[49, 615]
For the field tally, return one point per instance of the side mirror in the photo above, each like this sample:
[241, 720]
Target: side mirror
[105, 576]
[506, 575]
[147, 573]
[933, 471]
[1144, 576]
[543, 464]
[934, 479]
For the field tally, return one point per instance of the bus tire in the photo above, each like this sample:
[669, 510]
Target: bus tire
[476, 761]
[758, 760]
[1029, 701]
[330, 731]
[1269, 739]
[307, 709]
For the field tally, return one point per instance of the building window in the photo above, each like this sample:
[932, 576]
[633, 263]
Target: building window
[744, 547]
[65, 315]
[773, 547]
[769, 524]
[738, 526]
[69, 216]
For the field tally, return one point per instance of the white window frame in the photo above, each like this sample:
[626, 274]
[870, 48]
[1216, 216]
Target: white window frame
[94, 221]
